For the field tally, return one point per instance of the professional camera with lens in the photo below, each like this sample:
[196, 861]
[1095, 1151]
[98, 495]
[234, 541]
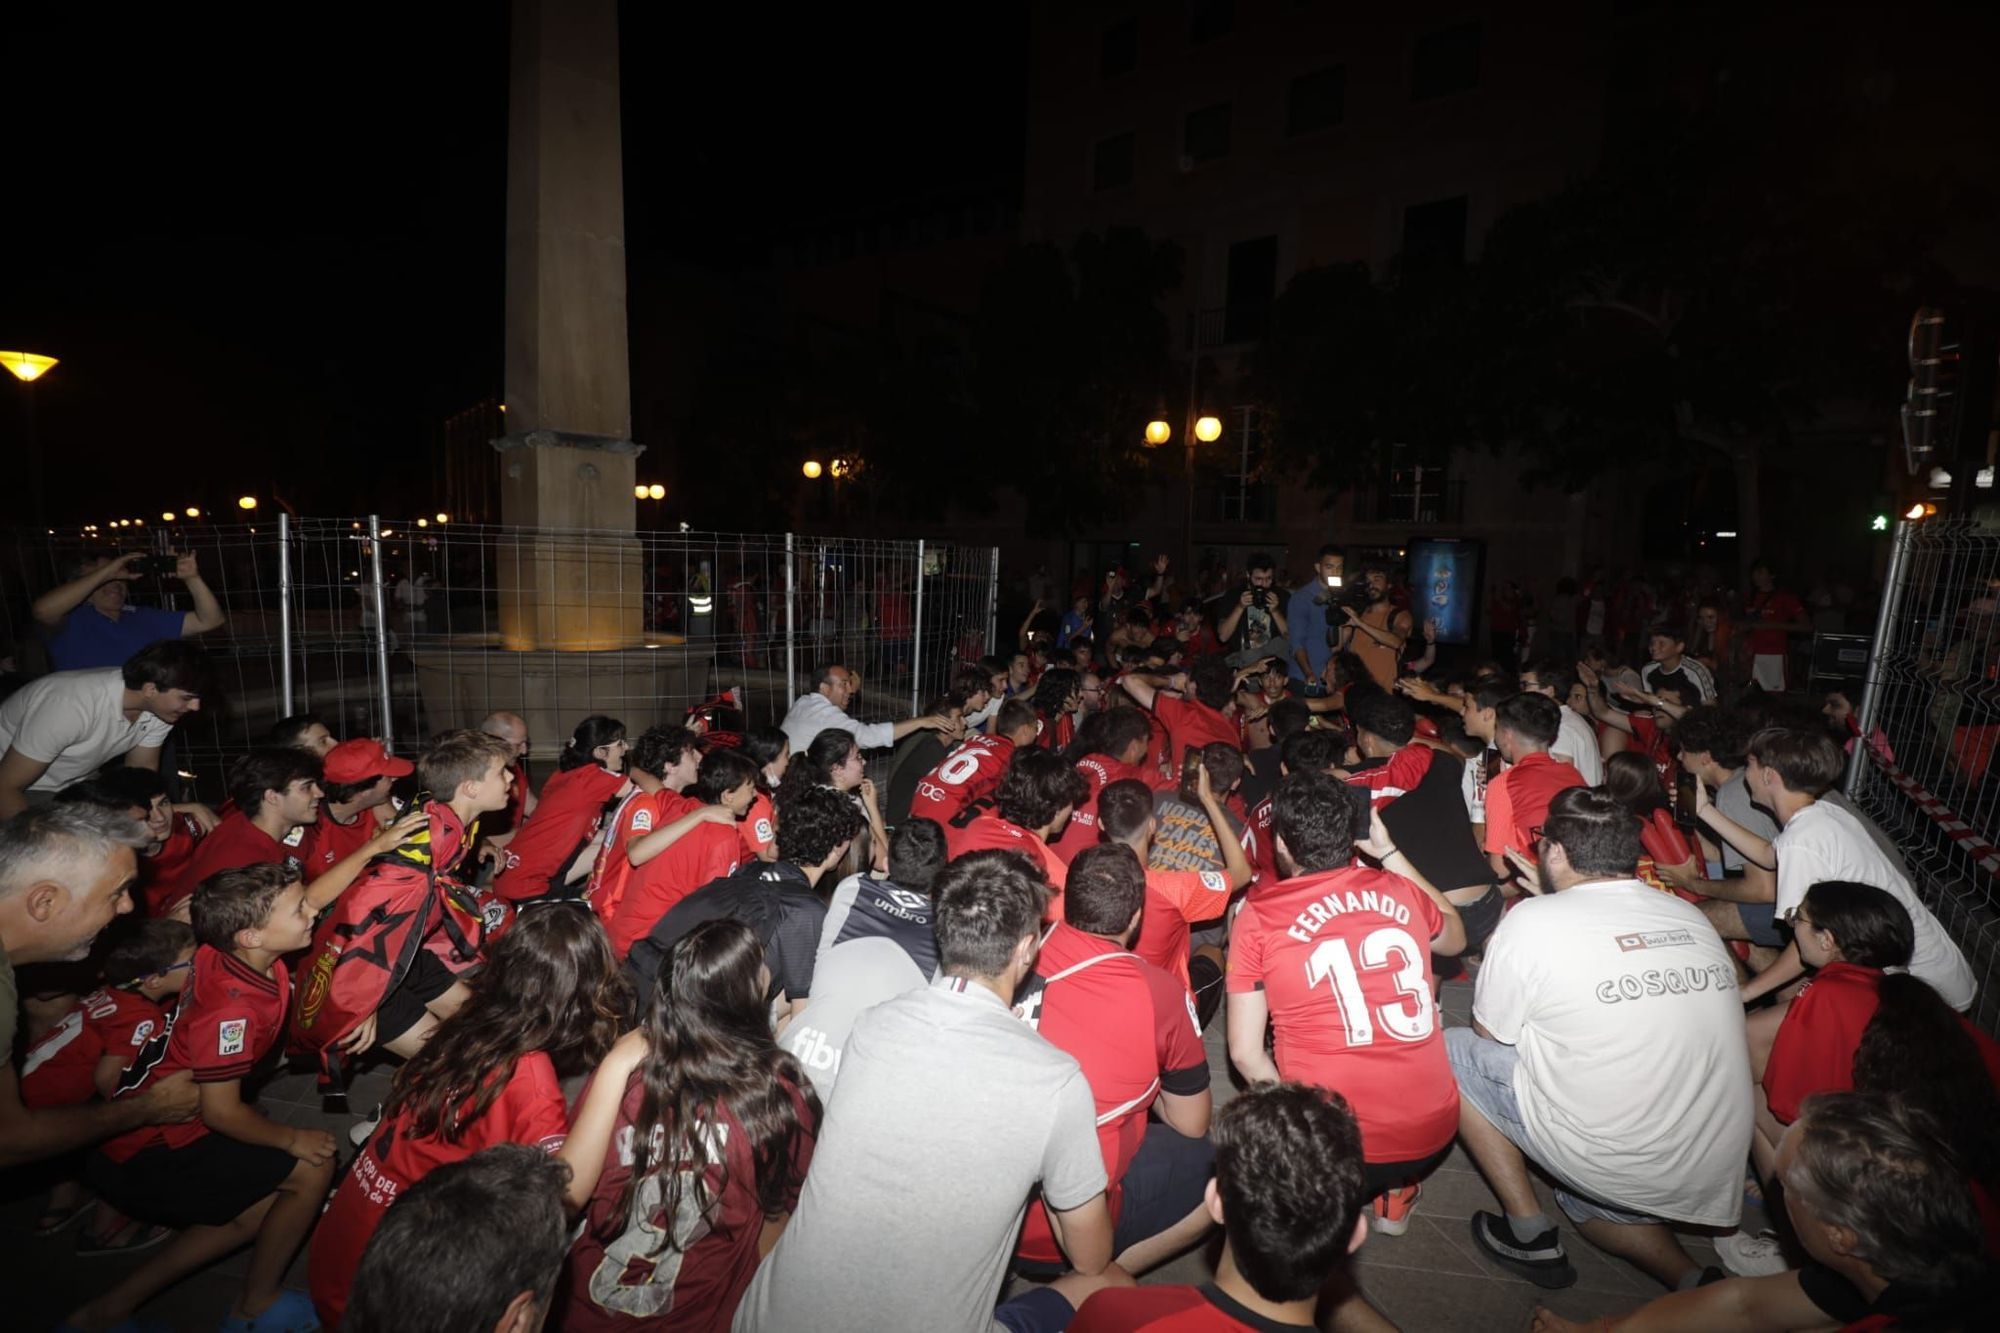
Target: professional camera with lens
[1261, 599]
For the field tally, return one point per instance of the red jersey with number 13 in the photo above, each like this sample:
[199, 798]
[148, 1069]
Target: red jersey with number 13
[1344, 960]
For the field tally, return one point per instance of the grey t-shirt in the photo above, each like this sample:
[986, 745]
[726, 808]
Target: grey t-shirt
[1733, 799]
[950, 1111]
[848, 979]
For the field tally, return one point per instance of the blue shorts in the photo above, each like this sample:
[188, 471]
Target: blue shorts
[1043, 1310]
[1760, 923]
[1484, 1069]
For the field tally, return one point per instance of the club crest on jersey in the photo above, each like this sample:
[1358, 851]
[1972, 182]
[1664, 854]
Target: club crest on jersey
[642, 821]
[764, 830]
[143, 1031]
[230, 1036]
[1213, 882]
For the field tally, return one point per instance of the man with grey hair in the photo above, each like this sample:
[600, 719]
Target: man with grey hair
[65, 871]
[826, 707]
[499, 828]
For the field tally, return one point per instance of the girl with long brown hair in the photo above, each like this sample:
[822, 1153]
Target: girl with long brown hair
[548, 1001]
[712, 1140]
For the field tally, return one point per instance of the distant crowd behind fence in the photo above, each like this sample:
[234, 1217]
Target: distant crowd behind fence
[333, 616]
[1934, 692]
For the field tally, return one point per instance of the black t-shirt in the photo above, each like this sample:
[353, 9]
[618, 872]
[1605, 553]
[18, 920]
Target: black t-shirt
[868, 908]
[776, 900]
[1430, 824]
[1255, 627]
[1900, 1305]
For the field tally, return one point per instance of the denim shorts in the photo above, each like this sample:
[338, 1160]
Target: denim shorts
[1485, 1072]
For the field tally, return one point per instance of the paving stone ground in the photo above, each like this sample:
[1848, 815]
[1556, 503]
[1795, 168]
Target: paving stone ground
[1433, 1278]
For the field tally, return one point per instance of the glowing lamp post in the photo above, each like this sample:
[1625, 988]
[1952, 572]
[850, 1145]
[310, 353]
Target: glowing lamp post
[28, 367]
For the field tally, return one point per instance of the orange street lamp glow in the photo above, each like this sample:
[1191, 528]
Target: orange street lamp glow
[27, 366]
[192, 512]
[423, 522]
[1208, 429]
[811, 469]
[168, 516]
[1158, 432]
[639, 491]
[656, 492]
[444, 518]
[246, 502]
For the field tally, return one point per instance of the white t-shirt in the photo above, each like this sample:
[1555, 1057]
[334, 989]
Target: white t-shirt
[1472, 783]
[1823, 842]
[1634, 1073]
[1577, 742]
[74, 721]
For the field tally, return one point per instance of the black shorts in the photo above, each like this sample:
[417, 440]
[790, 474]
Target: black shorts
[1481, 918]
[208, 1183]
[1165, 1182]
[402, 1007]
[1381, 1177]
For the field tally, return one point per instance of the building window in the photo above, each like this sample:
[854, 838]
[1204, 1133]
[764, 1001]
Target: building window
[1111, 162]
[1209, 19]
[1252, 287]
[1118, 49]
[1445, 62]
[1207, 134]
[1316, 100]
[1434, 235]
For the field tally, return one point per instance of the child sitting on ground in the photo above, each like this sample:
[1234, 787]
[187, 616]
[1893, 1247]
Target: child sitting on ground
[232, 1176]
[82, 1053]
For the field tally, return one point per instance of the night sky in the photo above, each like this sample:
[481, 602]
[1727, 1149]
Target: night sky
[274, 253]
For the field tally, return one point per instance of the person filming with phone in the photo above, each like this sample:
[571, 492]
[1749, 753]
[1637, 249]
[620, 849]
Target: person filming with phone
[90, 622]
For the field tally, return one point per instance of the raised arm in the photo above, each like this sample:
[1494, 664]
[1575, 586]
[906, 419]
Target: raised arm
[207, 613]
[1233, 860]
[333, 881]
[52, 606]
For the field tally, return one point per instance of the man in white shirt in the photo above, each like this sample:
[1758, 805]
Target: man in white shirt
[1607, 1046]
[1788, 772]
[64, 727]
[1576, 743]
[826, 707]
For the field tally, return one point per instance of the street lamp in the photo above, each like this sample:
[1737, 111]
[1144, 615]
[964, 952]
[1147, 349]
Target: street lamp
[246, 502]
[811, 469]
[192, 512]
[1158, 432]
[168, 516]
[28, 367]
[656, 492]
[1208, 429]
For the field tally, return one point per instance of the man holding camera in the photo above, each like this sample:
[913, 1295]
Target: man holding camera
[89, 623]
[1259, 613]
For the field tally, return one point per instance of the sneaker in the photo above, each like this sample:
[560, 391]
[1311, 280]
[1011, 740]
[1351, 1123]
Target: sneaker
[292, 1312]
[362, 1130]
[1540, 1260]
[1392, 1209]
[1746, 1255]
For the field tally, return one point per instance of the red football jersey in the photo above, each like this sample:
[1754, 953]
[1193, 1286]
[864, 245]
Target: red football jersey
[1517, 801]
[1263, 847]
[1174, 900]
[1385, 782]
[1098, 771]
[233, 844]
[163, 882]
[61, 1067]
[759, 828]
[1203, 1309]
[971, 772]
[328, 843]
[1131, 1026]
[1344, 961]
[229, 1017]
[565, 815]
[990, 832]
[530, 1109]
[636, 816]
[1190, 723]
[620, 1275]
[705, 852]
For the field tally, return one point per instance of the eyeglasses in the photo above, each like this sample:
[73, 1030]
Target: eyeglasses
[172, 968]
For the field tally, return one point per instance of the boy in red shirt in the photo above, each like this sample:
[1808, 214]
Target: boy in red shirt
[1337, 958]
[1118, 752]
[1175, 899]
[1130, 1026]
[1286, 1233]
[354, 802]
[1517, 801]
[144, 963]
[972, 771]
[662, 765]
[232, 1176]
[174, 833]
[1194, 717]
[1032, 805]
[701, 846]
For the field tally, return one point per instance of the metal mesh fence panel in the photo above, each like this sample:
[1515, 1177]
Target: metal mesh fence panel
[402, 627]
[1933, 692]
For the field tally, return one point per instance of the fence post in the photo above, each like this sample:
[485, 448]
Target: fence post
[1893, 587]
[285, 612]
[388, 736]
[791, 622]
[917, 636]
[993, 608]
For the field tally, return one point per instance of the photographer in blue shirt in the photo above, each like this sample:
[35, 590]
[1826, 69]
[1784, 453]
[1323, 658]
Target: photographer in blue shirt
[88, 622]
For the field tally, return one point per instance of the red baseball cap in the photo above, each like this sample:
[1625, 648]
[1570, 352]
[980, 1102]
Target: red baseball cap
[362, 758]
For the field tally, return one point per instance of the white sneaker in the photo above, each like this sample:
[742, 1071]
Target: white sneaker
[362, 1130]
[1746, 1255]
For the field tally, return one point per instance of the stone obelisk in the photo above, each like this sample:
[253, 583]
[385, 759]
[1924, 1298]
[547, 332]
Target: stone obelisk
[568, 460]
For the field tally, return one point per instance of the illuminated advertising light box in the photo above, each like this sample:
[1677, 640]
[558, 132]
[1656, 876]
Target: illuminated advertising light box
[1445, 585]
